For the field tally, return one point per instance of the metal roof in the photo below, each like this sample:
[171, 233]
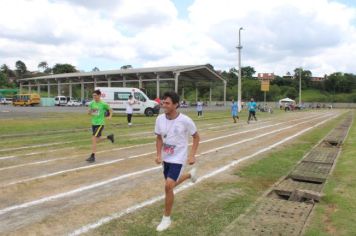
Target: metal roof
[187, 71]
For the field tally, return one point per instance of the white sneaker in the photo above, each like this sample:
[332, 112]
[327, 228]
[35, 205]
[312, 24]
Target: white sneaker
[165, 223]
[130, 124]
[193, 175]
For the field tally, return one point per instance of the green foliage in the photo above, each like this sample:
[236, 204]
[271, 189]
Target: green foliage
[21, 69]
[63, 68]
[3, 80]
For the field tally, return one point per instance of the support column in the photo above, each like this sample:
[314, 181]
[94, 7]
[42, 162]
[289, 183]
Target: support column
[48, 89]
[157, 87]
[140, 82]
[29, 87]
[210, 93]
[82, 89]
[70, 89]
[94, 82]
[38, 88]
[124, 81]
[58, 87]
[176, 75]
[225, 93]
[196, 94]
[109, 81]
[183, 93]
[21, 88]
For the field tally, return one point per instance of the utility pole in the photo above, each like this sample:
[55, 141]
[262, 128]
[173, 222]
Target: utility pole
[300, 86]
[239, 47]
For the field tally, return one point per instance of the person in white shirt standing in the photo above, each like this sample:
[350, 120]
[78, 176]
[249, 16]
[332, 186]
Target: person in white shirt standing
[173, 129]
[200, 108]
[129, 109]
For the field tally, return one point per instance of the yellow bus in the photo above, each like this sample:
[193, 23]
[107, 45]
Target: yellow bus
[26, 99]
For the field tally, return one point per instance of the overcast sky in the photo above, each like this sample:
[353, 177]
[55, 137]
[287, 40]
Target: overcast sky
[277, 35]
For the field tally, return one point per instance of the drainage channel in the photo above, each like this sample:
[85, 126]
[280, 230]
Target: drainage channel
[285, 209]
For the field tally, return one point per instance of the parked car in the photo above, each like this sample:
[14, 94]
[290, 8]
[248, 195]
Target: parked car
[74, 103]
[5, 101]
[61, 100]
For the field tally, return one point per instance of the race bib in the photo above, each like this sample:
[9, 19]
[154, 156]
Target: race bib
[94, 112]
[168, 149]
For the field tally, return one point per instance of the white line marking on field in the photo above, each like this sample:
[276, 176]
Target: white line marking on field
[81, 189]
[144, 154]
[258, 136]
[34, 146]
[153, 200]
[78, 190]
[36, 153]
[7, 157]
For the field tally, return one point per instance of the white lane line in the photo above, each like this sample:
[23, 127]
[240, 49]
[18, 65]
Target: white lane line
[140, 155]
[34, 146]
[81, 189]
[73, 169]
[78, 190]
[7, 157]
[104, 220]
[258, 136]
[71, 157]
[109, 150]
[36, 153]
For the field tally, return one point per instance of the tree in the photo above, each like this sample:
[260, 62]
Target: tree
[95, 69]
[124, 67]
[21, 69]
[7, 71]
[63, 68]
[305, 76]
[247, 72]
[43, 65]
[3, 80]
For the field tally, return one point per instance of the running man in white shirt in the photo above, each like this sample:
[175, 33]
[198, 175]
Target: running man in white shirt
[173, 129]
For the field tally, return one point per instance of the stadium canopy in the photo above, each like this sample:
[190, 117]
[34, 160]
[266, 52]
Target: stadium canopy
[177, 76]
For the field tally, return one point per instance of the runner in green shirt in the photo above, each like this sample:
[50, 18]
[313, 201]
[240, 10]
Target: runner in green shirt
[98, 111]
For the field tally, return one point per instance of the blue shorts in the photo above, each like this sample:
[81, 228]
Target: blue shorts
[172, 170]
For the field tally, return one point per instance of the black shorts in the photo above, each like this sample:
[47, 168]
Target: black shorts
[97, 129]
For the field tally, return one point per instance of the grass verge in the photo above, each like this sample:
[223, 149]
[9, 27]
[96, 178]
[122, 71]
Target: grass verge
[336, 213]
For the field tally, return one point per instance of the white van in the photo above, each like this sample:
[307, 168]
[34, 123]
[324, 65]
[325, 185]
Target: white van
[117, 99]
[61, 100]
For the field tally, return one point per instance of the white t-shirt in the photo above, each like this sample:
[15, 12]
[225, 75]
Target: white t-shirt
[175, 134]
[129, 106]
[199, 106]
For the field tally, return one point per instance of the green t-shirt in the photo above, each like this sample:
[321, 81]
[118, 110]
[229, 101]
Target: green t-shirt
[98, 110]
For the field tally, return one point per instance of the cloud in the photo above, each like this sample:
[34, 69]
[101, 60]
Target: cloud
[278, 35]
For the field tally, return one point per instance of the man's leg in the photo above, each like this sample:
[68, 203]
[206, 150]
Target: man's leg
[254, 115]
[169, 186]
[93, 144]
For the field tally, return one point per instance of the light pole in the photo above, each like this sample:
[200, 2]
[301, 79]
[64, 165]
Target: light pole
[239, 47]
[300, 86]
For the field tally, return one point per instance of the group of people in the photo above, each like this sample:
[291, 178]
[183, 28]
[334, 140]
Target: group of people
[172, 130]
[251, 107]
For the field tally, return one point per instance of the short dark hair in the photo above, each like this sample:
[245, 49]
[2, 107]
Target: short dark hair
[97, 92]
[173, 95]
